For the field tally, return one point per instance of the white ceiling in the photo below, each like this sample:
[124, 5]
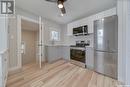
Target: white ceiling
[28, 25]
[76, 9]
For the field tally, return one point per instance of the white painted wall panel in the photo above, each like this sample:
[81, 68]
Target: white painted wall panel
[1, 71]
[124, 41]
[13, 42]
[129, 6]
[3, 33]
[90, 57]
[65, 52]
[121, 30]
[128, 49]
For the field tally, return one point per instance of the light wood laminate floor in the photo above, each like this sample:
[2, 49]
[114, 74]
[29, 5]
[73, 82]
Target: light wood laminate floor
[59, 74]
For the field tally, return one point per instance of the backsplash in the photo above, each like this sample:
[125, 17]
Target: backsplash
[71, 40]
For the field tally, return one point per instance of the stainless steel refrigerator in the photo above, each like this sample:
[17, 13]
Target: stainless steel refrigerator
[106, 46]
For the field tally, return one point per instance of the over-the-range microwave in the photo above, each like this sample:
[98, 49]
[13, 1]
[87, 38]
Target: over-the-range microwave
[80, 31]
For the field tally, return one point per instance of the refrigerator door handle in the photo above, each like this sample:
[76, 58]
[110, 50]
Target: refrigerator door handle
[108, 44]
[101, 51]
[106, 51]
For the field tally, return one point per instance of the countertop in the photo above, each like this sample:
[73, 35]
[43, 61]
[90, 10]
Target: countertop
[89, 47]
[58, 45]
[64, 45]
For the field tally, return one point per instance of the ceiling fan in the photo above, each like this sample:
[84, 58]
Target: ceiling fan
[60, 4]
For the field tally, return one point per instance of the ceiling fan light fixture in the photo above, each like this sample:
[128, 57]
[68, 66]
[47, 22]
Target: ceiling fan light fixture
[60, 6]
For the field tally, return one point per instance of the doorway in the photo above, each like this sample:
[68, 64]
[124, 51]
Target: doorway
[29, 38]
[29, 41]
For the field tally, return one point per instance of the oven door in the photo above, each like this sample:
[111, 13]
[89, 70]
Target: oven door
[77, 55]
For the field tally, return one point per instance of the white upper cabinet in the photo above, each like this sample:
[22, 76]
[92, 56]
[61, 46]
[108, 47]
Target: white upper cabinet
[89, 21]
[70, 29]
[90, 25]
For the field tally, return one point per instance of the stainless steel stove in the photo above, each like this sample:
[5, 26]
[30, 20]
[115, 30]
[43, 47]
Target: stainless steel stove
[78, 53]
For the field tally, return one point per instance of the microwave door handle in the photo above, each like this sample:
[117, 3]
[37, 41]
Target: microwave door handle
[83, 29]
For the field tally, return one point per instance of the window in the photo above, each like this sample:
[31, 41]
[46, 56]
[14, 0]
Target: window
[55, 36]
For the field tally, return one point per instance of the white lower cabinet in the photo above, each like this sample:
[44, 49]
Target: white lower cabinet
[90, 57]
[54, 53]
[66, 52]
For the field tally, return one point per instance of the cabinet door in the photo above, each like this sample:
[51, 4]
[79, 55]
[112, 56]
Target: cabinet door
[53, 53]
[90, 26]
[66, 53]
[90, 58]
[69, 29]
[59, 52]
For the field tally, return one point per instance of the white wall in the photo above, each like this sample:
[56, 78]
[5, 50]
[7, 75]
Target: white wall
[26, 14]
[124, 41]
[128, 47]
[49, 26]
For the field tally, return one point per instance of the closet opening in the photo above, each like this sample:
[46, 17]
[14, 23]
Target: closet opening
[29, 42]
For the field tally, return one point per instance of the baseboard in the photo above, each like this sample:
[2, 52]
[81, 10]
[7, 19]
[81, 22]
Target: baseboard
[14, 70]
[77, 63]
[90, 67]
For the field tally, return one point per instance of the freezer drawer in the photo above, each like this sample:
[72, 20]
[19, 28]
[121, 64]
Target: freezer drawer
[106, 63]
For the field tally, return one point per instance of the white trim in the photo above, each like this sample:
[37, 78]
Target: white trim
[13, 69]
[127, 16]
[29, 19]
[123, 42]
[43, 44]
[40, 40]
[19, 41]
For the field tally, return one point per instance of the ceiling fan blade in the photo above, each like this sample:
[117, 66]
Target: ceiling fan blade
[52, 1]
[63, 10]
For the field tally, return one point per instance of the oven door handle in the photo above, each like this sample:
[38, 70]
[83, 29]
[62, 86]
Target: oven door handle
[82, 49]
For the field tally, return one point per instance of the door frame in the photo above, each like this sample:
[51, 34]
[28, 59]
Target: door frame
[19, 31]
